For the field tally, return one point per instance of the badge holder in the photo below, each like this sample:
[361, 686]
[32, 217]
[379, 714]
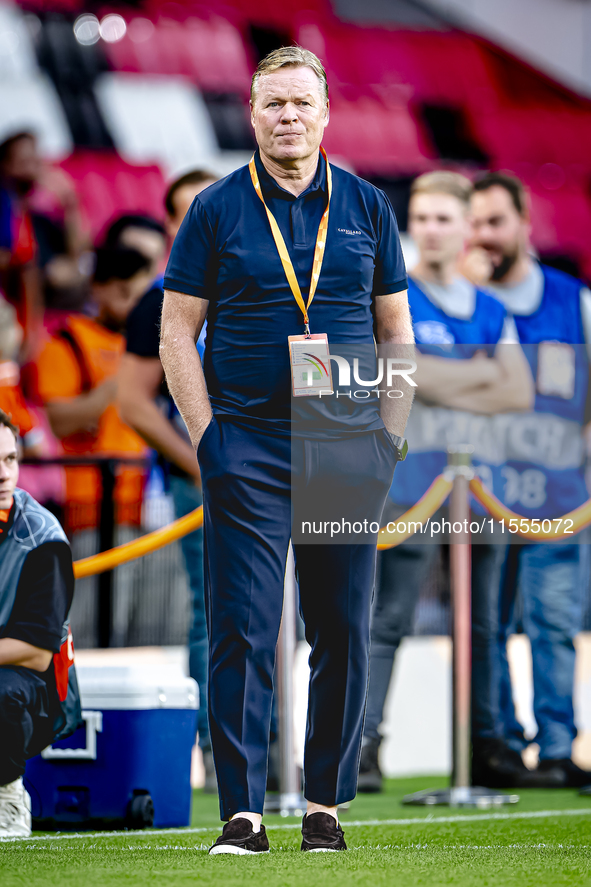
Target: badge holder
[309, 359]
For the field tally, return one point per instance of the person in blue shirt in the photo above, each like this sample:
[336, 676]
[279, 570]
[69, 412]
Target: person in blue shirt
[463, 365]
[249, 242]
[146, 405]
[543, 476]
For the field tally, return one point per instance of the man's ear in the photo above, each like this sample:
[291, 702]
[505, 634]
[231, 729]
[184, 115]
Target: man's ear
[251, 113]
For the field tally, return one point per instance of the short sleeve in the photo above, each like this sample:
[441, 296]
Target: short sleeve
[390, 270]
[143, 325]
[43, 597]
[58, 373]
[192, 264]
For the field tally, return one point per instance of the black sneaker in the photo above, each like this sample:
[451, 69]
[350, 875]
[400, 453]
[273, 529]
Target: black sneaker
[565, 773]
[495, 765]
[321, 833]
[239, 839]
[370, 776]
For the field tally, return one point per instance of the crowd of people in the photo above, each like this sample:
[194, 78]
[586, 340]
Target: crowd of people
[496, 331]
[80, 374]
[81, 377]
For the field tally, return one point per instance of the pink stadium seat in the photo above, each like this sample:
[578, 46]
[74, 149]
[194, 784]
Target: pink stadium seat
[211, 52]
[561, 222]
[376, 138]
[107, 186]
[537, 135]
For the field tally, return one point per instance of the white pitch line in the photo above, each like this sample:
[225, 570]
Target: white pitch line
[418, 820]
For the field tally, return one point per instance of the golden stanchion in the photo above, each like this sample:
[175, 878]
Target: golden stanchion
[461, 793]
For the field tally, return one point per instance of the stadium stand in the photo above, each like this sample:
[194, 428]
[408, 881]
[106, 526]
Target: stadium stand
[210, 52]
[107, 186]
[27, 97]
[157, 119]
[406, 97]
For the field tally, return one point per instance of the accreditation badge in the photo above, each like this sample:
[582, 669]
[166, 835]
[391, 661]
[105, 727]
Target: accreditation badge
[309, 358]
[556, 370]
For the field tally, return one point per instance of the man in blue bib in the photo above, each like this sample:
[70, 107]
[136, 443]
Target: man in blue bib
[544, 474]
[463, 366]
[38, 692]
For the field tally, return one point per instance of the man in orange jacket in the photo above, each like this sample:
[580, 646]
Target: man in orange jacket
[77, 381]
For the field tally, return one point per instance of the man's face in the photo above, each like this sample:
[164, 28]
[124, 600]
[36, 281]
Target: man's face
[438, 223]
[150, 244]
[23, 165]
[116, 298]
[182, 199]
[498, 229]
[289, 115]
[8, 466]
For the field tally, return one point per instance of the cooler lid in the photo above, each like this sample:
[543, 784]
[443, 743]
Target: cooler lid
[134, 687]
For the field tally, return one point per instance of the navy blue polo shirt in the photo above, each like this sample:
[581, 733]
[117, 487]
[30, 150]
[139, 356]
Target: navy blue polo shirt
[224, 252]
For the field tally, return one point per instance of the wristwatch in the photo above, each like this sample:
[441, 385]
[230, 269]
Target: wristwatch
[401, 445]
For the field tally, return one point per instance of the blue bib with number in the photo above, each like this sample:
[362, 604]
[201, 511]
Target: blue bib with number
[543, 475]
[431, 429]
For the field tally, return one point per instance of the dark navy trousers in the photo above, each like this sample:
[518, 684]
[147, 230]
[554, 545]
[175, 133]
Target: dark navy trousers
[27, 717]
[247, 492]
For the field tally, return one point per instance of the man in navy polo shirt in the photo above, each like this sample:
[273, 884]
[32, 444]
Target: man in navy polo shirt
[245, 248]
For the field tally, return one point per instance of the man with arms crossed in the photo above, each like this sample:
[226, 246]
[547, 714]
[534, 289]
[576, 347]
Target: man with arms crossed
[225, 263]
[544, 476]
[463, 365]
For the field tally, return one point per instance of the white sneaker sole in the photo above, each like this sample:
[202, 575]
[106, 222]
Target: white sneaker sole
[217, 849]
[323, 850]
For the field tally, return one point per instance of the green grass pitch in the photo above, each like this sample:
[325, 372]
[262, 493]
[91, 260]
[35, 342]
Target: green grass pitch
[543, 840]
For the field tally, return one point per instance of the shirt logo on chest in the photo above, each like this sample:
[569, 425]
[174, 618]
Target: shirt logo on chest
[350, 231]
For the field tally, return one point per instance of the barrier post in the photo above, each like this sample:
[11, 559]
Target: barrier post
[106, 542]
[289, 800]
[461, 793]
[460, 565]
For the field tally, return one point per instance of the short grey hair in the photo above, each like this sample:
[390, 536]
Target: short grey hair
[290, 57]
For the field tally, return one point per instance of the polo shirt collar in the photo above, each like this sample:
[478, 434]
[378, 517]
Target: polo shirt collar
[271, 188]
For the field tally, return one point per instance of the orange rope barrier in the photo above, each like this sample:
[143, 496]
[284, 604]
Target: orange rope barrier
[419, 514]
[405, 526]
[107, 560]
[533, 528]
[122, 554]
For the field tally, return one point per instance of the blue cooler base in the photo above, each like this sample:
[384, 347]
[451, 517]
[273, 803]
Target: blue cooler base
[139, 753]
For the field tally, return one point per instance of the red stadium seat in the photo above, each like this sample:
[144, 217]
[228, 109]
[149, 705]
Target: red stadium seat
[210, 52]
[375, 138]
[107, 186]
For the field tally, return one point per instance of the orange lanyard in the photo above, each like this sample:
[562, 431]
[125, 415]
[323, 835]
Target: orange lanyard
[282, 249]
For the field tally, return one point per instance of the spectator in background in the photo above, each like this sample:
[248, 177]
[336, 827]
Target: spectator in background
[145, 404]
[77, 381]
[143, 233]
[462, 365]
[12, 400]
[49, 199]
[38, 702]
[19, 276]
[544, 477]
